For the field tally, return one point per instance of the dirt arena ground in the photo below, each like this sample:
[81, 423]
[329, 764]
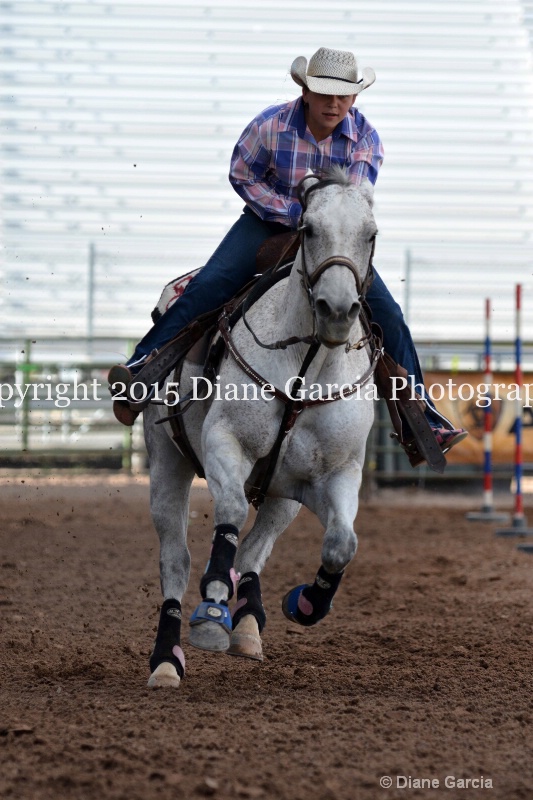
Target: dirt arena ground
[422, 670]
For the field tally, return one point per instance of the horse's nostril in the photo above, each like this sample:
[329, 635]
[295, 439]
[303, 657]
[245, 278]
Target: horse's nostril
[354, 310]
[322, 308]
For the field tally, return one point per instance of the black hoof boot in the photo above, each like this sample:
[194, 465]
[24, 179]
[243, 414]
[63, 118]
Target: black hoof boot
[167, 662]
[309, 603]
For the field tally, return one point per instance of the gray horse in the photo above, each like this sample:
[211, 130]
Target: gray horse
[321, 458]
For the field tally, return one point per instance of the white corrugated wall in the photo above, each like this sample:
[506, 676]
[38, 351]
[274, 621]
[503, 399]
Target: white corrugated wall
[118, 120]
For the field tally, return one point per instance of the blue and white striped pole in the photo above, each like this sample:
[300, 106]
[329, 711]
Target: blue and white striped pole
[519, 521]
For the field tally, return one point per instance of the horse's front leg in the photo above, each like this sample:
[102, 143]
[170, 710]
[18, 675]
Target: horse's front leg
[170, 480]
[226, 469]
[249, 616]
[335, 501]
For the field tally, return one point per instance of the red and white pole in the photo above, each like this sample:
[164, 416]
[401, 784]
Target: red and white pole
[487, 513]
[519, 521]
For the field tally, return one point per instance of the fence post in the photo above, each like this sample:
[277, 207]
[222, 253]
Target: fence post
[90, 297]
[407, 287]
[26, 370]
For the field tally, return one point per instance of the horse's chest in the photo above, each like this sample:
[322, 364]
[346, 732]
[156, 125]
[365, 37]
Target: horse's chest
[322, 440]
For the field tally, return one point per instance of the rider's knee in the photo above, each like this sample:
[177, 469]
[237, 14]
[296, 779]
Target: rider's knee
[395, 314]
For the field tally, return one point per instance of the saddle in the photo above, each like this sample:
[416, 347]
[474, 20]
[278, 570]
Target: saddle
[208, 351]
[411, 427]
[274, 250]
[279, 250]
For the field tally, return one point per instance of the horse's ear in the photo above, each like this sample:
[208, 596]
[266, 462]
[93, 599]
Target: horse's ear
[367, 190]
[309, 179]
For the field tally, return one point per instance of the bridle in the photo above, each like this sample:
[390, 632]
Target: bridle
[309, 279]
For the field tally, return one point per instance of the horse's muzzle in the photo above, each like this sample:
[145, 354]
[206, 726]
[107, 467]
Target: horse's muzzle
[334, 326]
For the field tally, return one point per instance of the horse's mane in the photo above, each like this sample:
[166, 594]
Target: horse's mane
[336, 175]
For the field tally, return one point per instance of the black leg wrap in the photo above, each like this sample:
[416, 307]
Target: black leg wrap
[249, 600]
[167, 643]
[320, 594]
[218, 568]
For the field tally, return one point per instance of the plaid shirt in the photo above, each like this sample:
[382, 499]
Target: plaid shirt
[277, 149]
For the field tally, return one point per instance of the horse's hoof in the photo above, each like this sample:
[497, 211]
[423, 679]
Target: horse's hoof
[210, 626]
[209, 636]
[299, 609]
[245, 640]
[289, 604]
[164, 675]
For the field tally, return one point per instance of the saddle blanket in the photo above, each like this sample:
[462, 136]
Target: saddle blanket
[172, 291]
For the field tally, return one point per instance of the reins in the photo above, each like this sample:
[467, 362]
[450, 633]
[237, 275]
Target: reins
[257, 291]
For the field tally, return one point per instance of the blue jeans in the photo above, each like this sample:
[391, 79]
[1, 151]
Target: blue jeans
[232, 265]
[230, 268]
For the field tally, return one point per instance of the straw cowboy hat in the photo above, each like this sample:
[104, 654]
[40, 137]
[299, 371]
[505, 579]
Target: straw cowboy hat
[331, 72]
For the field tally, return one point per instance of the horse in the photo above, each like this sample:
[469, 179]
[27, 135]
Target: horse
[314, 314]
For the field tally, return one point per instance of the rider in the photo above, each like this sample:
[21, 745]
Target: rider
[275, 151]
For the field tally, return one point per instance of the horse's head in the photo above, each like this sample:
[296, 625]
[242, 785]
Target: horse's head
[338, 234]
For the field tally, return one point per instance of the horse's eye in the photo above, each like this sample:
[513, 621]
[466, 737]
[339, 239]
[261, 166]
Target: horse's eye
[309, 230]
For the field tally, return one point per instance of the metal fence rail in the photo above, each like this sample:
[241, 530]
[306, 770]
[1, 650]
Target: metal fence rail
[55, 406]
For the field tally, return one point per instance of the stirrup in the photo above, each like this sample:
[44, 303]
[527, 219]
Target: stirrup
[123, 413]
[140, 405]
[416, 457]
[122, 374]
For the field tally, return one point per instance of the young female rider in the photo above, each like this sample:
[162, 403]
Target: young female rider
[314, 132]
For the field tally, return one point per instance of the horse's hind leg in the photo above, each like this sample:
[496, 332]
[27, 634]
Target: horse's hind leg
[170, 481]
[249, 615]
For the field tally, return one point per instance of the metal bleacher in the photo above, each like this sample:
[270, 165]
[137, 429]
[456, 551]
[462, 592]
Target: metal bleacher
[118, 122]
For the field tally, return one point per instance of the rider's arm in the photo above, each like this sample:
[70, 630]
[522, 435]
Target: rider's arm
[366, 157]
[249, 175]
